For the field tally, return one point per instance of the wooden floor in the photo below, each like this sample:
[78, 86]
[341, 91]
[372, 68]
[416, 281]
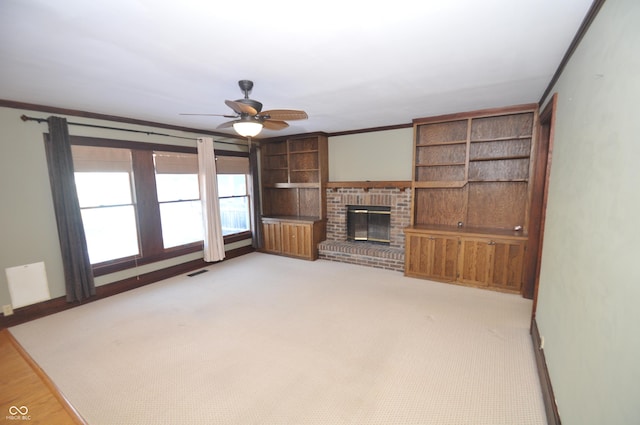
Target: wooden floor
[27, 395]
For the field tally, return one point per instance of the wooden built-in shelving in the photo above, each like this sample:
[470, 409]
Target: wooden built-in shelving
[294, 177]
[472, 171]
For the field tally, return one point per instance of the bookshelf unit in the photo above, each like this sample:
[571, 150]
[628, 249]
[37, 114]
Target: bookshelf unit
[471, 187]
[294, 178]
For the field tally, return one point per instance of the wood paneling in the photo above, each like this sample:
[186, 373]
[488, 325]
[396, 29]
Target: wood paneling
[442, 132]
[309, 202]
[440, 206]
[502, 126]
[513, 169]
[497, 205]
[500, 149]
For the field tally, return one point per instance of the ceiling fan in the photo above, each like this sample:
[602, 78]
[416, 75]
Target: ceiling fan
[249, 118]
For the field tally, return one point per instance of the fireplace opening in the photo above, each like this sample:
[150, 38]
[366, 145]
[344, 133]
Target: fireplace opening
[370, 223]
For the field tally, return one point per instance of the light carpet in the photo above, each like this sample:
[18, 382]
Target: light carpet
[263, 339]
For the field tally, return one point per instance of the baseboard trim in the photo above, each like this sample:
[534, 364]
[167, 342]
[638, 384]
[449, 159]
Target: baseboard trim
[550, 406]
[56, 305]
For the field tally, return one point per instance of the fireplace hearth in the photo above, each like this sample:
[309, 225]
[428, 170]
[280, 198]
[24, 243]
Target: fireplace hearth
[369, 223]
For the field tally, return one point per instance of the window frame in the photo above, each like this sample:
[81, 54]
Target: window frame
[147, 206]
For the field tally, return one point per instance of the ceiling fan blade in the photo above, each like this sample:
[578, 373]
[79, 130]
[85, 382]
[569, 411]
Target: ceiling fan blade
[227, 124]
[241, 108]
[274, 124]
[214, 115]
[285, 114]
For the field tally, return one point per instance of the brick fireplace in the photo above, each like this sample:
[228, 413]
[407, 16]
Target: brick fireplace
[337, 247]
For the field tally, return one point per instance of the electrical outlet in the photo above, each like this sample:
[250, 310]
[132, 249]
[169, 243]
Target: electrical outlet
[7, 310]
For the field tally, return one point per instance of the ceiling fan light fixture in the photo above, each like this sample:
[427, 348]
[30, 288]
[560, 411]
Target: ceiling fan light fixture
[247, 128]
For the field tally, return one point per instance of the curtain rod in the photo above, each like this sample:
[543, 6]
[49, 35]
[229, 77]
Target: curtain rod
[148, 133]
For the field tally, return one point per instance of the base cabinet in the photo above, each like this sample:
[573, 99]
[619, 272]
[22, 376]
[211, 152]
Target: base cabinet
[293, 237]
[431, 256]
[490, 261]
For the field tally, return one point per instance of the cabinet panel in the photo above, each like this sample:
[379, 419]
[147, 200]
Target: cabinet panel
[296, 239]
[508, 265]
[475, 261]
[272, 237]
[445, 257]
[431, 256]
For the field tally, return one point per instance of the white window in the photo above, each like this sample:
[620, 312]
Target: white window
[103, 179]
[233, 193]
[179, 198]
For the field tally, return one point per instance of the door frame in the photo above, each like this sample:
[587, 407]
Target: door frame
[544, 150]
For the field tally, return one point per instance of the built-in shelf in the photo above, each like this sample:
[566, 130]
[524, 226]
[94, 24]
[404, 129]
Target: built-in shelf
[290, 185]
[456, 142]
[501, 139]
[305, 151]
[443, 164]
[439, 184]
[498, 158]
[498, 180]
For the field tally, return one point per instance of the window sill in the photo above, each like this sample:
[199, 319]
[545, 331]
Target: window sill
[131, 262]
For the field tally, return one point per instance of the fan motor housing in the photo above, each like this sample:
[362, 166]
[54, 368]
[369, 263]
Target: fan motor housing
[253, 103]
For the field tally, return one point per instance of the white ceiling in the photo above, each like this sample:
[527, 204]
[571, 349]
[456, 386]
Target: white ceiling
[350, 64]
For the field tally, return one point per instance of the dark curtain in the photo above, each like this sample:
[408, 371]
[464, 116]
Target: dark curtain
[75, 255]
[255, 196]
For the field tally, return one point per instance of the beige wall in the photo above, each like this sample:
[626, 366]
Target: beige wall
[383, 155]
[589, 296]
[28, 231]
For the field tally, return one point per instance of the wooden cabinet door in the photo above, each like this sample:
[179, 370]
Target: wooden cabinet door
[492, 262]
[272, 237]
[296, 240]
[508, 265]
[431, 256]
[475, 259]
